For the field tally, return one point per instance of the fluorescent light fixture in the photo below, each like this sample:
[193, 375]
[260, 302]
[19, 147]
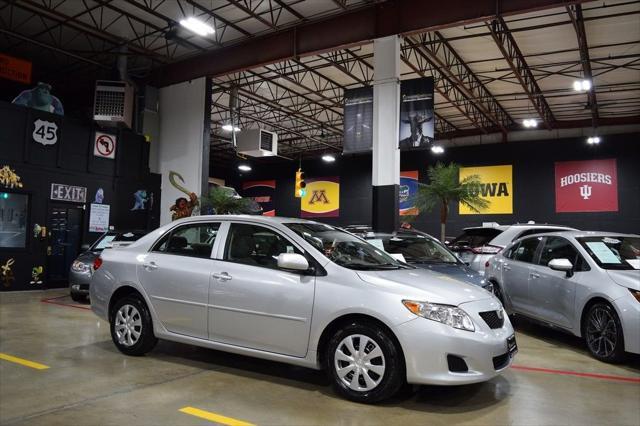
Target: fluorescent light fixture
[437, 149]
[581, 85]
[593, 140]
[329, 158]
[229, 127]
[244, 168]
[197, 26]
[530, 122]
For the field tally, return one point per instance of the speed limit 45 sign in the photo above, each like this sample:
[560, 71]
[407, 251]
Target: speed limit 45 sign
[104, 145]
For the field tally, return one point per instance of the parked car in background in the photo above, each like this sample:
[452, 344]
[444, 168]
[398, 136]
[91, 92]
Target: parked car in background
[303, 293]
[80, 272]
[586, 283]
[476, 245]
[423, 251]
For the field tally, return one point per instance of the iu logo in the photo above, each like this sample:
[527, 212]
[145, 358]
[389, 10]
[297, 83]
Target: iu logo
[585, 191]
[319, 196]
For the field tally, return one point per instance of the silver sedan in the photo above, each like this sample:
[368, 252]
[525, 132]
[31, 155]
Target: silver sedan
[302, 293]
[586, 283]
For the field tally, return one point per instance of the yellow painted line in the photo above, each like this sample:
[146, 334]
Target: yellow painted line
[23, 361]
[213, 417]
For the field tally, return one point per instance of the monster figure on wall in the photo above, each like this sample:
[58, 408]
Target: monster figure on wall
[9, 178]
[36, 275]
[183, 207]
[140, 197]
[99, 197]
[6, 274]
[40, 98]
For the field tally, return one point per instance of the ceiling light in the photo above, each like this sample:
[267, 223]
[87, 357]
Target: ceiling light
[593, 140]
[244, 168]
[229, 127]
[197, 26]
[581, 85]
[329, 158]
[437, 149]
[530, 122]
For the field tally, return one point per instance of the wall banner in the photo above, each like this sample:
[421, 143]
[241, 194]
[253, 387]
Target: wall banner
[15, 69]
[358, 120]
[262, 192]
[586, 186]
[416, 113]
[322, 198]
[407, 192]
[496, 186]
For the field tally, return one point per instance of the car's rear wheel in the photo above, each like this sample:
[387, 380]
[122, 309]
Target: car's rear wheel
[364, 363]
[603, 333]
[132, 327]
[77, 297]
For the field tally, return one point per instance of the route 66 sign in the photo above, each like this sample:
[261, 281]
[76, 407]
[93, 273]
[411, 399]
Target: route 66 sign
[104, 145]
[45, 132]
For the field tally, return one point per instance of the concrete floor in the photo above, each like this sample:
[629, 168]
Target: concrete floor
[89, 382]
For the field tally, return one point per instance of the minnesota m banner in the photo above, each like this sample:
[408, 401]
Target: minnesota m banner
[322, 198]
[496, 187]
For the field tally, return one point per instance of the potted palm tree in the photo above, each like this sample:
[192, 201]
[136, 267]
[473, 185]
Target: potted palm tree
[221, 201]
[444, 187]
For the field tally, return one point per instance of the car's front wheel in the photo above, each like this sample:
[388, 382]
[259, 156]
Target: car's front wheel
[364, 363]
[132, 327]
[603, 333]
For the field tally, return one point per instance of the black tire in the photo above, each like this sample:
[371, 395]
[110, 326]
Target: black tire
[602, 332]
[139, 315]
[77, 297]
[393, 377]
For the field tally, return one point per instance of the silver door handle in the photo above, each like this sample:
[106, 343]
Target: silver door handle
[506, 267]
[222, 276]
[534, 275]
[151, 266]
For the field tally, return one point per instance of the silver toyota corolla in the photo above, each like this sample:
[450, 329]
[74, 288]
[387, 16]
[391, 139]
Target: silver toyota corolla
[303, 293]
[586, 283]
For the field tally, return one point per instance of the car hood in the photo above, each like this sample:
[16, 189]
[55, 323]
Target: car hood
[425, 285]
[457, 271]
[629, 279]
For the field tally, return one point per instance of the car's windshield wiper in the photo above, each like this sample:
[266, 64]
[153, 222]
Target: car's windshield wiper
[381, 266]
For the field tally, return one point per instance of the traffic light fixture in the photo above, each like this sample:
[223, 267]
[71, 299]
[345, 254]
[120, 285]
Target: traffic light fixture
[300, 184]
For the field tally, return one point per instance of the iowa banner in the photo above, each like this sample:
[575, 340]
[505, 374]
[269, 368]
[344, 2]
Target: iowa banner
[496, 186]
[407, 193]
[262, 192]
[322, 198]
[586, 186]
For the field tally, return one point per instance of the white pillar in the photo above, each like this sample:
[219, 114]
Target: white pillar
[386, 115]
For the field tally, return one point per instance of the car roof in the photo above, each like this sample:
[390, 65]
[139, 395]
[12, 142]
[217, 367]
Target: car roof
[253, 218]
[519, 225]
[579, 234]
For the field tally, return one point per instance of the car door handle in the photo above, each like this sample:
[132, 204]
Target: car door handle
[222, 276]
[506, 267]
[151, 266]
[534, 275]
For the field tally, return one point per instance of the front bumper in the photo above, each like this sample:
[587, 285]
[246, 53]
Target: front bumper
[426, 345]
[629, 312]
[79, 282]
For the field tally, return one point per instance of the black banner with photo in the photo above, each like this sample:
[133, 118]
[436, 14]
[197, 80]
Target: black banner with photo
[417, 119]
[358, 120]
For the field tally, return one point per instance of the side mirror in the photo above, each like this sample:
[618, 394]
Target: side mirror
[293, 262]
[563, 265]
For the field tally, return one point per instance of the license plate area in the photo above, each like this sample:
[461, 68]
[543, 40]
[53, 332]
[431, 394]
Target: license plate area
[512, 346]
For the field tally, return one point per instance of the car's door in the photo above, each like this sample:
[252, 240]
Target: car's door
[255, 304]
[176, 275]
[515, 273]
[552, 292]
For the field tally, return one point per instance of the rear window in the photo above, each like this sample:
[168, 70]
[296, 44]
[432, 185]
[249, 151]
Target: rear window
[110, 238]
[476, 237]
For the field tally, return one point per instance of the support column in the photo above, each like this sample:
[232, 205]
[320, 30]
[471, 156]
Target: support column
[386, 115]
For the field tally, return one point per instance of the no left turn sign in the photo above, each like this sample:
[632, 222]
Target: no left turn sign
[104, 145]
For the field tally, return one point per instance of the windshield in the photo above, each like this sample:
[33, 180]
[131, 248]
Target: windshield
[343, 248]
[474, 237]
[416, 249]
[613, 252]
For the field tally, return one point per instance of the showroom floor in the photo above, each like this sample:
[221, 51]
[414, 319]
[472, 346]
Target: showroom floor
[88, 382]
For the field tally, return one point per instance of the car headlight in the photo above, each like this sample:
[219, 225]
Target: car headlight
[79, 266]
[635, 294]
[446, 314]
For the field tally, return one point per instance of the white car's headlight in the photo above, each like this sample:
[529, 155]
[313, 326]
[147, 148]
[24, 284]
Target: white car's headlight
[79, 266]
[446, 314]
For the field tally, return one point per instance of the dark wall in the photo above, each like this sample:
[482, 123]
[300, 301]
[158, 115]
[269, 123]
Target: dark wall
[533, 182]
[71, 161]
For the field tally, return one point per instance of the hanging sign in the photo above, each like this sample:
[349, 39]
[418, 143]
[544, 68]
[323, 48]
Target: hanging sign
[45, 132]
[586, 186]
[261, 192]
[407, 193]
[74, 194]
[322, 198]
[104, 145]
[15, 69]
[99, 218]
[496, 186]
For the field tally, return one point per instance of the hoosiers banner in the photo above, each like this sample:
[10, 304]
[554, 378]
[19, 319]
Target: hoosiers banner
[586, 186]
[322, 198]
[496, 186]
[407, 193]
[262, 192]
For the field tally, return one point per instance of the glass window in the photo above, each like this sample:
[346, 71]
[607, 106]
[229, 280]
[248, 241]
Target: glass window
[561, 248]
[194, 240]
[526, 250]
[115, 237]
[256, 245]
[13, 220]
[475, 237]
[613, 252]
[418, 249]
[511, 251]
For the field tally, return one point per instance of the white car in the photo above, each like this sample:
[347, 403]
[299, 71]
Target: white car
[303, 293]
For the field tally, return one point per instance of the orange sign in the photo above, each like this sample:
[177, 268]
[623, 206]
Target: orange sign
[15, 69]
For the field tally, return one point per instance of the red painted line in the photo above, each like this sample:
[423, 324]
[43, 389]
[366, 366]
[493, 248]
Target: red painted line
[578, 374]
[51, 302]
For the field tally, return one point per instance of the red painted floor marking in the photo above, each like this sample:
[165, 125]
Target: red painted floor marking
[578, 374]
[51, 301]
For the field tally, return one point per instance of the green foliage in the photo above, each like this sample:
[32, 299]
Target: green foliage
[220, 201]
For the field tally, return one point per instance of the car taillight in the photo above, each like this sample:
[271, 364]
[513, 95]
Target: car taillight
[97, 263]
[488, 249]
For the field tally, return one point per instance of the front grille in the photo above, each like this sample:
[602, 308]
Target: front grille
[501, 361]
[457, 364]
[492, 319]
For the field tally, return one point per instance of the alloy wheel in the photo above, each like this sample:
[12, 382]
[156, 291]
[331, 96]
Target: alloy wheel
[359, 362]
[602, 332]
[128, 325]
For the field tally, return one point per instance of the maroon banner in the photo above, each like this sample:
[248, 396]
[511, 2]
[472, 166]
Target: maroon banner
[586, 186]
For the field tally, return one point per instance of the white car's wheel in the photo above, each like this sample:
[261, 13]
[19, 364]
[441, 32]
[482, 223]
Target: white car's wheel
[131, 326]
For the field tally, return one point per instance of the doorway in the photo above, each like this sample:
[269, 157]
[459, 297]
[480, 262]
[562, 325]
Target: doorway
[65, 226]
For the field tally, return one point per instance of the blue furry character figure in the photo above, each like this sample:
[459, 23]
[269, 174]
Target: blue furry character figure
[40, 98]
[141, 197]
